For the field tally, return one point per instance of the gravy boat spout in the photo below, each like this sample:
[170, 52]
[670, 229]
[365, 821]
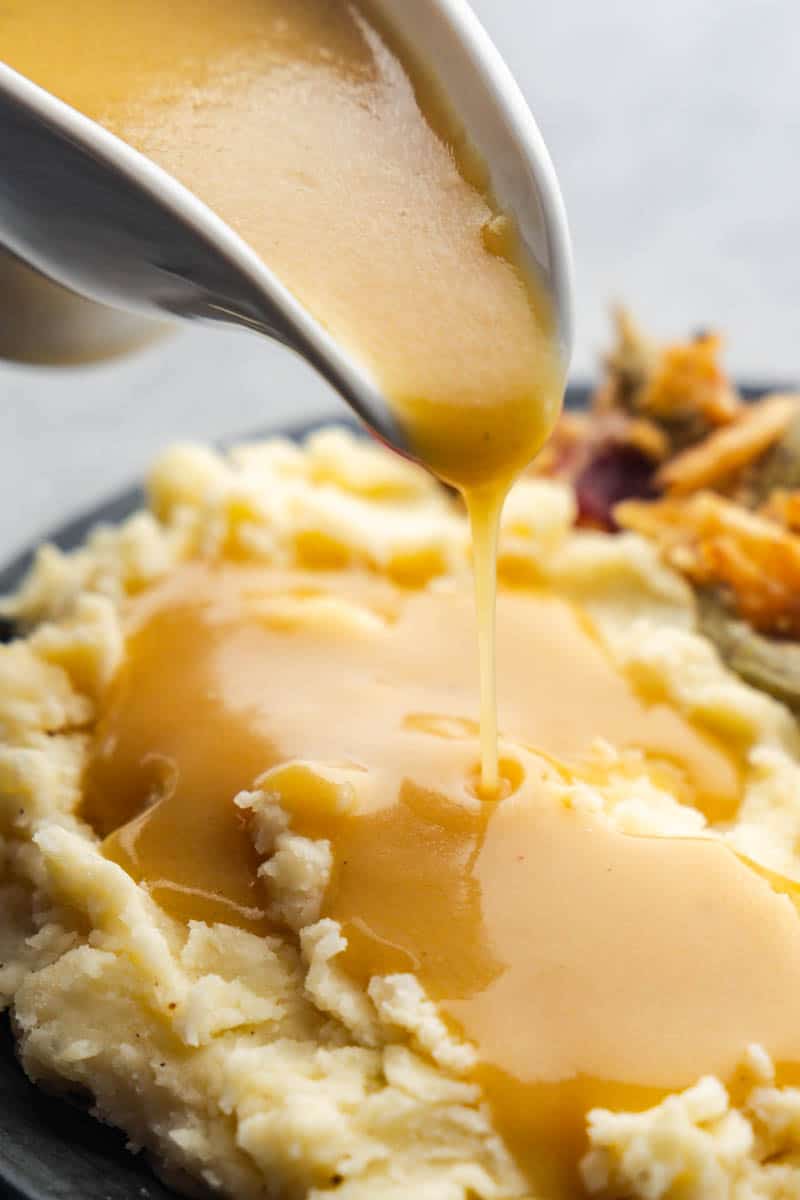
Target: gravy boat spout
[92, 214]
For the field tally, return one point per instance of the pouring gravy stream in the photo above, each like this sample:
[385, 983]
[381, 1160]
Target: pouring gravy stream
[299, 124]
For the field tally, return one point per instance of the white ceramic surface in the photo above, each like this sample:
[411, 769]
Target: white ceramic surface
[102, 219]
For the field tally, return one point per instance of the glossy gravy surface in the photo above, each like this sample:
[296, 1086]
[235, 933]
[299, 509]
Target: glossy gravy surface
[587, 966]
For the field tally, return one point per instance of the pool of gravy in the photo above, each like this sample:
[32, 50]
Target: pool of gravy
[587, 967]
[309, 131]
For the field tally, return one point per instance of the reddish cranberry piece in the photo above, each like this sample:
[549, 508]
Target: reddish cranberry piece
[614, 473]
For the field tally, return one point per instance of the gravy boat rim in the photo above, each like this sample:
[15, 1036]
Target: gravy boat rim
[459, 43]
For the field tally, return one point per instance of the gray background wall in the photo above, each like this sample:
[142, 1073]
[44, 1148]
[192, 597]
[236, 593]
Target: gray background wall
[675, 128]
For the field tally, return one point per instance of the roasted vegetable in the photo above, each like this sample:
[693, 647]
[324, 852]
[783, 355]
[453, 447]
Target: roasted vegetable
[730, 450]
[652, 403]
[769, 664]
[751, 561]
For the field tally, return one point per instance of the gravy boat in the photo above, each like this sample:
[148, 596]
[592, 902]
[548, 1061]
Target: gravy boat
[96, 217]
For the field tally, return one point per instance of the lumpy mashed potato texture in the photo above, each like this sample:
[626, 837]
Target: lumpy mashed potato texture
[248, 1049]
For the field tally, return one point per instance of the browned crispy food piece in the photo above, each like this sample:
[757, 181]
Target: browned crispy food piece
[749, 560]
[629, 365]
[669, 449]
[783, 507]
[729, 449]
[777, 471]
[681, 387]
[652, 402]
[689, 382]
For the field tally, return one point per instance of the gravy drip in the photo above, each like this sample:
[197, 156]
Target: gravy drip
[588, 967]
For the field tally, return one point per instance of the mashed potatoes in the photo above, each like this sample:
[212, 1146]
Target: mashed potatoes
[251, 1064]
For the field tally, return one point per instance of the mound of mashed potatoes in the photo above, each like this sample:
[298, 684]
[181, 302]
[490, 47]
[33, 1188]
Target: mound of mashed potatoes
[248, 1064]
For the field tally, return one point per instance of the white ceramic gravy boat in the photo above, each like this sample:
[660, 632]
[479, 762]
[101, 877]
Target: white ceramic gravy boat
[94, 216]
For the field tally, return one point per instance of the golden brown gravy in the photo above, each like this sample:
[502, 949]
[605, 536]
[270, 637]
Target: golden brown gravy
[296, 122]
[588, 967]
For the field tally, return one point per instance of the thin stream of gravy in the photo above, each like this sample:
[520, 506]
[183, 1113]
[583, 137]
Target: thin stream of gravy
[484, 507]
[307, 129]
